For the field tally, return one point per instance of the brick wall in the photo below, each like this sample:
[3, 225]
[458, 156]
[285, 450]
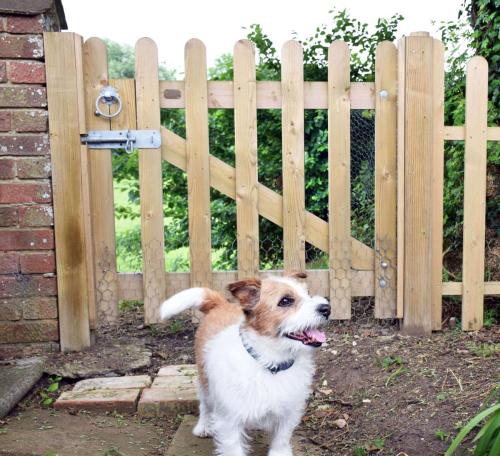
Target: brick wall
[28, 301]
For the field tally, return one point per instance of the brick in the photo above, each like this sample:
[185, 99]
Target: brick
[28, 331]
[25, 24]
[21, 46]
[7, 168]
[164, 401]
[120, 400]
[34, 239]
[39, 308]
[36, 216]
[9, 263]
[33, 168]
[25, 192]
[23, 97]
[188, 370]
[3, 71]
[8, 216]
[11, 309]
[127, 382]
[29, 121]
[179, 382]
[37, 262]
[18, 286]
[26, 350]
[26, 72]
[24, 145]
[5, 120]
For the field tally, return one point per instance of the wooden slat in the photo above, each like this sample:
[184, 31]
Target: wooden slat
[455, 288]
[437, 183]
[130, 284]
[245, 126]
[401, 176]
[150, 179]
[221, 95]
[222, 178]
[385, 180]
[128, 117]
[418, 181]
[458, 133]
[64, 83]
[198, 168]
[476, 110]
[339, 167]
[292, 88]
[101, 187]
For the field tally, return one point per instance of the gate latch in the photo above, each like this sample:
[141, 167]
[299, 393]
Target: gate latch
[122, 139]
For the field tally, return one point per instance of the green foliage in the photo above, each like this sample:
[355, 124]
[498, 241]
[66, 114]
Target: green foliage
[47, 395]
[388, 361]
[442, 435]
[487, 439]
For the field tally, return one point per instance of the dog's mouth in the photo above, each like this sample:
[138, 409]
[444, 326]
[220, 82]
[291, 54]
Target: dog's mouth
[312, 337]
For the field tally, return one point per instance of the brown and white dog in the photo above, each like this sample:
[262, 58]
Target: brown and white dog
[255, 361]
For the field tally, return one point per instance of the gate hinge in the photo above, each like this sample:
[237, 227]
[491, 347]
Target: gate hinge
[122, 139]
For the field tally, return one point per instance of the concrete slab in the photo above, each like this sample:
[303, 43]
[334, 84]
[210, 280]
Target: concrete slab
[174, 382]
[185, 443]
[16, 379]
[127, 382]
[167, 401]
[121, 400]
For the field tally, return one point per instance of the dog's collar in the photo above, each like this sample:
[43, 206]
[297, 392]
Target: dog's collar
[271, 367]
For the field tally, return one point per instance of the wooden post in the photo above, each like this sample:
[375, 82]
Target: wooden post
[339, 178]
[292, 91]
[66, 122]
[476, 112]
[150, 180]
[422, 123]
[245, 145]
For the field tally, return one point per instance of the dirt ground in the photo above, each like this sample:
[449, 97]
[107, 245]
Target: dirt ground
[376, 392]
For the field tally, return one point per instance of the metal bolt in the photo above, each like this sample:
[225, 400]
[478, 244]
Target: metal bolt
[384, 94]
[384, 264]
[382, 283]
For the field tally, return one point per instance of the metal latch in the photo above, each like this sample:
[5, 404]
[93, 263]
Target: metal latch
[122, 139]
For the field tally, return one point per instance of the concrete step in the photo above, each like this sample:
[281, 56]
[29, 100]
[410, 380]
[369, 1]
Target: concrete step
[185, 443]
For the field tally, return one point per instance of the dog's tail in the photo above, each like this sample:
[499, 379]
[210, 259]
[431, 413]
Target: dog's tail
[202, 299]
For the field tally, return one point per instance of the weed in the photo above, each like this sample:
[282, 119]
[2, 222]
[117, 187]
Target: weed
[374, 445]
[50, 453]
[388, 361]
[129, 305]
[176, 326]
[484, 350]
[400, 371]
[47, 394]
[442, 435]
[113, 451]
[442, 396]
[490, 318]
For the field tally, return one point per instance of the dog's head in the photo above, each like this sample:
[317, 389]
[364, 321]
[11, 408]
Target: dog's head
[281, 307]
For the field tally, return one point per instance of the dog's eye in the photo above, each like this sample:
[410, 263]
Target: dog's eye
[286, 301]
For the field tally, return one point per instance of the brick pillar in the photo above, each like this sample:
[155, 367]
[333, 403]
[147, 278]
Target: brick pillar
[28, 301]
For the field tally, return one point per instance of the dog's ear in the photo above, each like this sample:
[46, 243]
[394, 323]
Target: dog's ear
[247, 292]
[297, 275]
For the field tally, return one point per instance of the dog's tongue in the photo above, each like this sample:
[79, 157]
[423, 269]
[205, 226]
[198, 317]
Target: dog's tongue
[316, 334]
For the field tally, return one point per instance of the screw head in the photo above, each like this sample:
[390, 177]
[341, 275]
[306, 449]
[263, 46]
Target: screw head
[382, 283]
[384, 264]
[384, 94]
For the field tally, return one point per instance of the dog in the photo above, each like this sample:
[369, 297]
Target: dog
[255, 360]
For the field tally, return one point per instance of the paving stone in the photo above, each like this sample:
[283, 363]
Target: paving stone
[188, 370]
[127, 382]
[167, 401]
[121, 400]
[174, 382]
[16, 379]
[185, 443]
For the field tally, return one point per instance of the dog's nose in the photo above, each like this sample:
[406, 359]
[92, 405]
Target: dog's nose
[324, 309]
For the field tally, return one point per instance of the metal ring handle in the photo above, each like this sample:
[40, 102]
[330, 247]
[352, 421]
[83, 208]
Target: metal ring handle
[98, 111]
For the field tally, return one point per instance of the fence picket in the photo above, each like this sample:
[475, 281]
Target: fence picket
[437, 184]
[476, 110]
[245, 129]
[385, 180]
[150, 179]
[292, 89]
[101, 188]
[198, 169]
[339, 170]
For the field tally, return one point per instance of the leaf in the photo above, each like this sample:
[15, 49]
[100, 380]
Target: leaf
[53, 387]
[47, 401]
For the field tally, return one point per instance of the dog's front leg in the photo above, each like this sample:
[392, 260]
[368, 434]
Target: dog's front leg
[228, 437]
[282, 435]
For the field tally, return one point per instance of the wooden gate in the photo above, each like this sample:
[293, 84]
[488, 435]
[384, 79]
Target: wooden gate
[405, 277]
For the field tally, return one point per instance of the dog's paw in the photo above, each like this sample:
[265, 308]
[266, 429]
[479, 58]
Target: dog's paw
[202, 430]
